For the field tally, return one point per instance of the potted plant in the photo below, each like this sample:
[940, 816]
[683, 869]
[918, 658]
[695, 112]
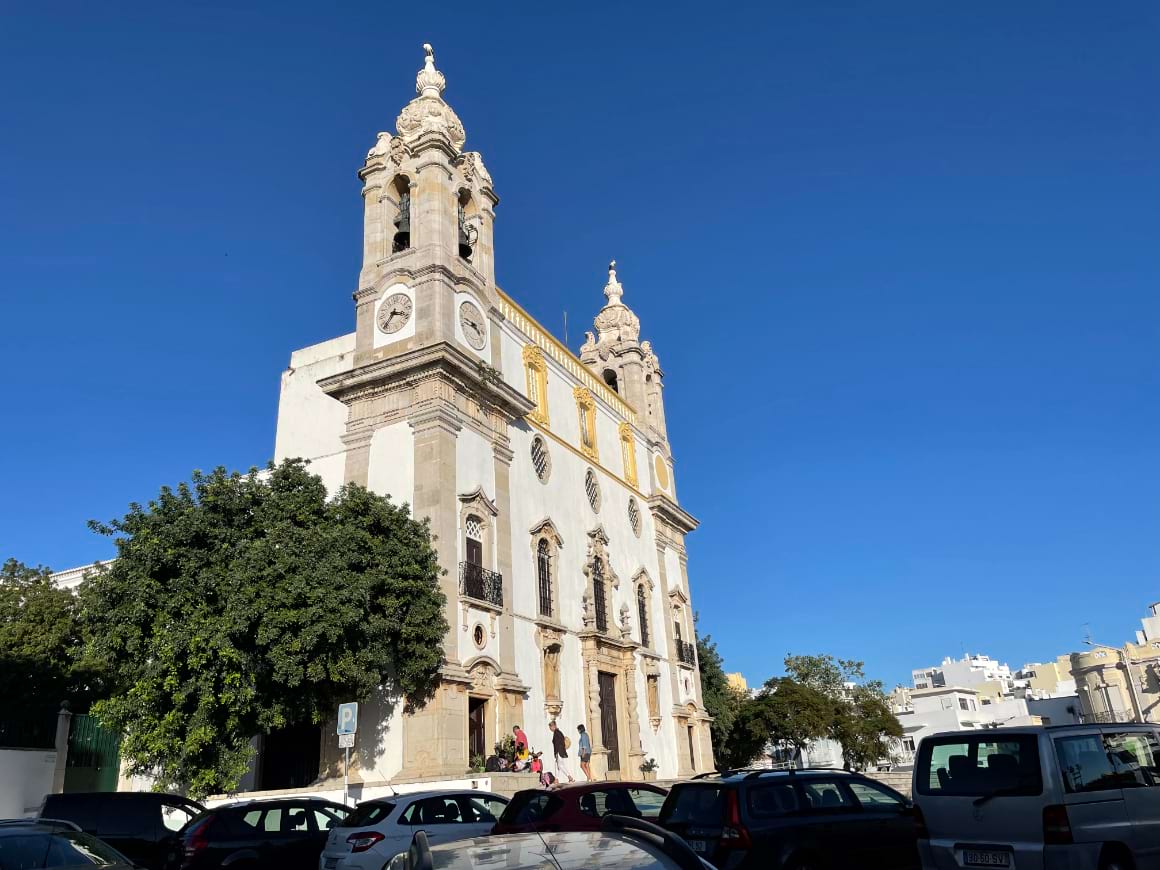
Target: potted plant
[648, 770]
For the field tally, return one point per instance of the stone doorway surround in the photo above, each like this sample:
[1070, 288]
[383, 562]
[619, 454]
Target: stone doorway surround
[616, 656]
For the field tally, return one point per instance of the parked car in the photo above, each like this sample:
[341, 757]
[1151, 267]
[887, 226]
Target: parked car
[377, 830]
[141, 825]
[579, 807]
[33, 844]
[624, 844]
[793, 819]
[287, 834]
[1082, 797]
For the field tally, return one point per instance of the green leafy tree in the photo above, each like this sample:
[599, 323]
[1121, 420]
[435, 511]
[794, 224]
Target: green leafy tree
[722, 701]
[796, 713]
[866, 727]
[239, 604]
[824, 673]
[863, 723]
[41, 661]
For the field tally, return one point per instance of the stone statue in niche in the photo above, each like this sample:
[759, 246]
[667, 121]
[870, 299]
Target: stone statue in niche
[552, 671]
[654, 701]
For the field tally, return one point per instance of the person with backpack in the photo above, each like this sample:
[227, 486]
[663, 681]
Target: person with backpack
[560, 745]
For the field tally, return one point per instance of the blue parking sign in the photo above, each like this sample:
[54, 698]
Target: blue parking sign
[348, 718]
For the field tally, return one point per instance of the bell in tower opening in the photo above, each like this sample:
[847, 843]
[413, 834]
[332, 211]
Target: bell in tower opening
[402, 239]
[467, 233]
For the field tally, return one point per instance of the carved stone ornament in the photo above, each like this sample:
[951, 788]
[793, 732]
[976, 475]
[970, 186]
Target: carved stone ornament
[471, 165]
[428, 113]
[625, 625]
[598, 548]
[589, 345]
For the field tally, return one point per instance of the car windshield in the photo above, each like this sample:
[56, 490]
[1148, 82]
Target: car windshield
[41, 849]
[529, 807]
[694, 803]
[369, 813]
[979, 766]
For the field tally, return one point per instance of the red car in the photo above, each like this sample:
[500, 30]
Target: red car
[579, 807]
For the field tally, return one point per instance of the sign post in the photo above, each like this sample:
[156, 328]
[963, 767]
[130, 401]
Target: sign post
[347, 726]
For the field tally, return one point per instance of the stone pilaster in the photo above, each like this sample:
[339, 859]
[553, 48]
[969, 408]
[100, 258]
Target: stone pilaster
[435, 429]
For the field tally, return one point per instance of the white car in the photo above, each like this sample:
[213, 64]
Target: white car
[379, 829]
[624, 844]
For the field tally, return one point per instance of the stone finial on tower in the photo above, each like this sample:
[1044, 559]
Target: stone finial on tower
[427, 118]
[429, 82]
[616, 322]
[612, 290]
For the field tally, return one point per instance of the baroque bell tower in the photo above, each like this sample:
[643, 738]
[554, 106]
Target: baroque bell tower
[424, 380]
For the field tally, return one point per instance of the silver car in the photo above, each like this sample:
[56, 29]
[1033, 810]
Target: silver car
[377, 830]
[1074, 797]
[623, 844]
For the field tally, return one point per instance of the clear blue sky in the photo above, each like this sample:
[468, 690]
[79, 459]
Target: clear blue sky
[900, 262]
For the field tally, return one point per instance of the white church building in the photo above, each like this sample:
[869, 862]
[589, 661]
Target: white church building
[547, 478]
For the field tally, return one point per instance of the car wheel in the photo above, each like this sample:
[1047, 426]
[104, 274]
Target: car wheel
[1114, 861]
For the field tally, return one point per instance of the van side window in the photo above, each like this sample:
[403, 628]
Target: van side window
[1084, 763]
[1134, 755]
[976, 765]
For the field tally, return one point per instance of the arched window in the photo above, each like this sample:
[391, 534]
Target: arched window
[544, 571]
[628, 453]
[592, 490]
[610, 379]
[599, 601]
[536, 374]
[642, 613]
[586, 409]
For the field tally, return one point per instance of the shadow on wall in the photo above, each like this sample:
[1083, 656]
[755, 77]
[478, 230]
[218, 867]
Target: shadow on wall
[369, 745]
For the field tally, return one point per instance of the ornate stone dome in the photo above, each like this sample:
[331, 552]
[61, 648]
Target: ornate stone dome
[616, 321]
[428, 113]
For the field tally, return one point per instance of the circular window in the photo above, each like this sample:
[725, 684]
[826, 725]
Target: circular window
[593, 489]
[541, 461]
[634, 516]
[479, 636]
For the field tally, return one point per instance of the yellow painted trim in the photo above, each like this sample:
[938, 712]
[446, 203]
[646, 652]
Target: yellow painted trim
[571, 363]
[628, 452]
[594, 462]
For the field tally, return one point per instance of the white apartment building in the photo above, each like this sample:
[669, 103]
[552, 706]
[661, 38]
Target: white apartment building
[970, 670]
[952, 708]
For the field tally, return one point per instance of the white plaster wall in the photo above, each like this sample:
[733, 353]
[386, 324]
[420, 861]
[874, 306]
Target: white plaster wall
[311, 423]
[391, 468]
[25, 778]
[382, 339]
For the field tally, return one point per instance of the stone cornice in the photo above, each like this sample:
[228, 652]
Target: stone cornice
[376, 377]
[667, 510]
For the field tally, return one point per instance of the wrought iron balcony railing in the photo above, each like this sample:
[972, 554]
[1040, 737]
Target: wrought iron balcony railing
[479, 583]
[686, 652]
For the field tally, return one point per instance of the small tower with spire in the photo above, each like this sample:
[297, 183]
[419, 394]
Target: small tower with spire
[625, 363]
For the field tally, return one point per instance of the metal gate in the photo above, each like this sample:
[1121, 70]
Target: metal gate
[94, 756]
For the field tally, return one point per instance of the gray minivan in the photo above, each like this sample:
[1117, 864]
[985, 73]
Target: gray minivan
[1070, 797]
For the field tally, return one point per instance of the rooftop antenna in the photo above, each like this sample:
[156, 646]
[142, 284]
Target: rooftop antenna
[566, 330]
[1087, 633]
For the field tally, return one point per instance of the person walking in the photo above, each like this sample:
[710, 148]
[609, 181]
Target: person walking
[585, 749]
[560, 750]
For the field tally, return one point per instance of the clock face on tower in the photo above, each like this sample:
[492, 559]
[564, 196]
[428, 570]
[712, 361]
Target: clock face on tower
[471, 319]
[394, 312]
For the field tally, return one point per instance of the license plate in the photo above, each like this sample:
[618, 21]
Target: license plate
[986, 858]
[331, 863]
[698, 846]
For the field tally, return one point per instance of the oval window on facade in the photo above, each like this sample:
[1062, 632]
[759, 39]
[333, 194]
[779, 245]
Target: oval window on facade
[592, 488]
[541, 461]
